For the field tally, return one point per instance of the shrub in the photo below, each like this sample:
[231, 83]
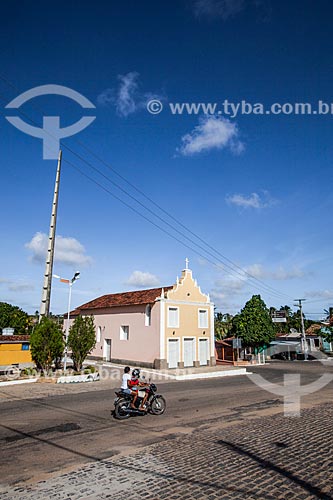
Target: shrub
[81, 339]
[46, 344]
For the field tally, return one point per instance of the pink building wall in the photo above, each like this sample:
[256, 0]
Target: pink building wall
[144, 341]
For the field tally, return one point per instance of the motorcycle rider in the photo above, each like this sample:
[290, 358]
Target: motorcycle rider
[134, 385]
[125, 383]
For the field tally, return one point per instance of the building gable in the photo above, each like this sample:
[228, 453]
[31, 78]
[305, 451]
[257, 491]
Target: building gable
[187, 290]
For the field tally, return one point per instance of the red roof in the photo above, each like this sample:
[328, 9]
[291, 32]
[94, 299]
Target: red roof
[14, 338]
[221, 343]
[122, 299]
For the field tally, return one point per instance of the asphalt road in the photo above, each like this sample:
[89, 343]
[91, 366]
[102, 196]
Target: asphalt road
[41, 437]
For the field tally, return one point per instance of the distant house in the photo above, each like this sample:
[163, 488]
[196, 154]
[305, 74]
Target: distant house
[224, 352]
[292, 342]
[169, 327]
[327, 346]
[14, 349]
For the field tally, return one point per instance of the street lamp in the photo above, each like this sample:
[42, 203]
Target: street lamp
[70, 283]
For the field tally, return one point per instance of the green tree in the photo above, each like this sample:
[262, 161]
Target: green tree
[294, 320]
[81, 339]
[327, 331]
[46, 343]
[14, 317]
[222, 325]
[254, 324]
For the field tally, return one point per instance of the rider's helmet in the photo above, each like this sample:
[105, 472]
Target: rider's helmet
[136, 372]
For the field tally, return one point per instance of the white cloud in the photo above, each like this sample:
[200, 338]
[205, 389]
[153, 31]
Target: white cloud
[142, 279]
[227, 289]
[280, 274]
[125, 104]
[218, 8]
[252, 201]
[127, 98]
[231, 285]
[320, 294]
[67, 250]
[202, 262]
[21, 287]
[217, 295]
[223, 300]
[256, 270]
[106, 97]
[211, 133]
[227, 9]
[17, 286]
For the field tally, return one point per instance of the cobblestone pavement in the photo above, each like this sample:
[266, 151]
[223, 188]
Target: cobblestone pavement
[271, 457]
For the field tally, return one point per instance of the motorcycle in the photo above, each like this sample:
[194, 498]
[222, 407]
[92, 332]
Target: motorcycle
[155, 403]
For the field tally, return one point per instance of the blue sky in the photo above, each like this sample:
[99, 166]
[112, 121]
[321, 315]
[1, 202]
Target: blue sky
[255, 188]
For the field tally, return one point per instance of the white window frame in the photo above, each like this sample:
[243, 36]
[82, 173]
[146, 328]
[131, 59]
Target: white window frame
[99, 334]
[206, 316]
[148, 315]
[124, 332]
[177, 323]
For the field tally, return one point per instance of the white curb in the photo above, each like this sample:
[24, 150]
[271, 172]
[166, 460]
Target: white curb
[73, 379]
[225, 373]
[18, 382]
[189, 376]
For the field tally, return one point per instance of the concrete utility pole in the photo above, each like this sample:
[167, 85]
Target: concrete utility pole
[46, 293]
[304, 342]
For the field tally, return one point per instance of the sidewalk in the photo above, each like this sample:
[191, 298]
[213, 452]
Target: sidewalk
[181, 373]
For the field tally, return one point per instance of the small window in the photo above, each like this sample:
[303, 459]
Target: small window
[148, 315]
[99, 334]
[173, 317]
[25, 347]
[203, 318]
[124, 332]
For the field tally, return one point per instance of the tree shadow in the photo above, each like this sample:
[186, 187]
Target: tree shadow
[266, 464]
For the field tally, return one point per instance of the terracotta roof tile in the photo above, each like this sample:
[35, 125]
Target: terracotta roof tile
[313, 329]
[222, 343]
[14, 338]
[122, 299]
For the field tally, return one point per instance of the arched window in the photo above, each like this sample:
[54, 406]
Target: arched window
[148, 315]
[99, 334]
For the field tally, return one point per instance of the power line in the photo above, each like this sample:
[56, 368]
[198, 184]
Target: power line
[244, 272]
[234, 271]
[75, 167]
[267, 288]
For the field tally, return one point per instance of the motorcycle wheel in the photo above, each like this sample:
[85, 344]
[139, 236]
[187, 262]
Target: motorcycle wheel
[120, 410]
[158, 405]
